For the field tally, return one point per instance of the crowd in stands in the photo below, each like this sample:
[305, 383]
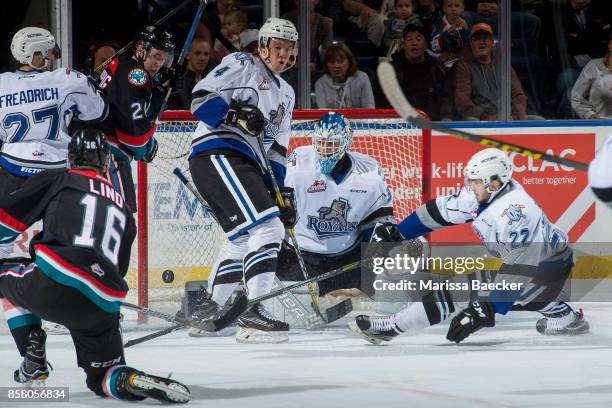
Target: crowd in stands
[446, 54]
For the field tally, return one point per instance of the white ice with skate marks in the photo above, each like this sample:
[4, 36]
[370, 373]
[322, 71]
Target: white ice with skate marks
[510, 365]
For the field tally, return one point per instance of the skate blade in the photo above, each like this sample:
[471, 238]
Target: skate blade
[373, 340]
[173, 392]
[226, 332]
[251, 336]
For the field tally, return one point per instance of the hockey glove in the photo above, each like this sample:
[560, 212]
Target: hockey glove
[151, 151]
[170, 76]
[386, 233]
[246, 117]
[470, 320]
[288, 213]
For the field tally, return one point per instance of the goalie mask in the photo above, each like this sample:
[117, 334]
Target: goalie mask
[88, 147]
[277, 28]
[31, 40]
[488, 165]
[332, 138]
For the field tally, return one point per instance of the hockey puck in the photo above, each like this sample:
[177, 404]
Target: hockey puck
[168, 276]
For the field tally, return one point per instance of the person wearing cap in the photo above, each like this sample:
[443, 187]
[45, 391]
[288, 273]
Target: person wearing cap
[199, 64]
[478, 80]
[422, 78]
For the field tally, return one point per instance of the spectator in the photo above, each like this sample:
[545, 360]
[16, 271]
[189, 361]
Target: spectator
[199, 64]
[402, 15]
[234, 22]
[592, 92]
[249, 41]
[212, 22]
[369, 16]
[429, 11]
[321, 29]
[421, 77]
[478, 77]
[450, 33]
[343, 85]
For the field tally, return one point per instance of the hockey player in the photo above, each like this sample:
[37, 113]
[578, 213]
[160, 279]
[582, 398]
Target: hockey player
[242, 99]
[131, 91]
[512, 226]
[600, 173]
[75, 276]
[340, 197]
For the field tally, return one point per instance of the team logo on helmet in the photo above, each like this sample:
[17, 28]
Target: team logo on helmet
[514, 213]
[332, 221]
[137, 77]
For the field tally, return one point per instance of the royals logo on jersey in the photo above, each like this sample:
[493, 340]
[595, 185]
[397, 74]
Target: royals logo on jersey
[514, 213]
[333, 220]
[273, 123]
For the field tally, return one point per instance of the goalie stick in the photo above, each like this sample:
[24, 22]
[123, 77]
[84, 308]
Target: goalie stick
[215, 322]
[286, 289]
[393, 92]
[332, 313]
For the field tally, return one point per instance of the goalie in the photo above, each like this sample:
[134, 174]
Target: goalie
[339, 196]
[514, 228]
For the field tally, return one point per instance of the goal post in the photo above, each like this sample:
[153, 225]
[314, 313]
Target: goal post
[176, 233]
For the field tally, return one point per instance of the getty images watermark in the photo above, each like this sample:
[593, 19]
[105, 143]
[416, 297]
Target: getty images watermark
[390, 269]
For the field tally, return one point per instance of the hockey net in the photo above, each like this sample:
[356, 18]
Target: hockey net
[177, 234]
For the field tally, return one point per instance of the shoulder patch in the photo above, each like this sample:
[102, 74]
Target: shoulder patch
[138, 77]
[242, 56]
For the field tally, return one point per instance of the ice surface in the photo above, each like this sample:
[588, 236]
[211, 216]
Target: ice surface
[510, 365]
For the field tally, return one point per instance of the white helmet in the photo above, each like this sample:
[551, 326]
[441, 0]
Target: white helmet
[488, 165]
[281, 29]
[30, 40]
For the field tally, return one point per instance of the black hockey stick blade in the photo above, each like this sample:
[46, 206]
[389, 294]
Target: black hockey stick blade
[395, 95]
[338, 311]
[153, 335]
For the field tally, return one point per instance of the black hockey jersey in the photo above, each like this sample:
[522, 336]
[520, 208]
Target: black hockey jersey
[87, 231]
[128, 88]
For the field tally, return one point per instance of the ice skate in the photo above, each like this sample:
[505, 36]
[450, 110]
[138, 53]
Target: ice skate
[375, 329]
[551, 326]
[257, 325]
[34, 369]
[143, 385]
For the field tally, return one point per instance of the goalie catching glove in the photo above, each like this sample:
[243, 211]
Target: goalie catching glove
[287, 212]
[470, 320]
[246, 117]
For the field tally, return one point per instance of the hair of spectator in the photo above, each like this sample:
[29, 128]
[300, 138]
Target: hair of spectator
[340, 50]
[238, 16]
[413, 2]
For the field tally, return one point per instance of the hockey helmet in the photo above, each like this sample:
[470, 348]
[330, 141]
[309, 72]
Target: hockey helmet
[31, 40]
[488, 165]
[88, 147]
[332, 138]
[143, 42]
[281, 29]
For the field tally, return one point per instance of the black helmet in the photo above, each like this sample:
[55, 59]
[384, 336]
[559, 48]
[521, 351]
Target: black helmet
[165, 41]
[144, 41]
[88, 147]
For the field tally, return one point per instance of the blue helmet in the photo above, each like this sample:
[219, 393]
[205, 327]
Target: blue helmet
[332, 134]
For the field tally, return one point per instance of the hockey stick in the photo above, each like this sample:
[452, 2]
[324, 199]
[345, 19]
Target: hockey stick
[280, 292]
[393, 92]
[215, 322]
[281, 203]
[184, 51]
[156, 24]
[332, 313]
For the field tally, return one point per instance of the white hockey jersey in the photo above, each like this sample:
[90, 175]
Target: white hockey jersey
[35, 110]
[245, 78]
[600, 172]
[332, 216]
[512, 227]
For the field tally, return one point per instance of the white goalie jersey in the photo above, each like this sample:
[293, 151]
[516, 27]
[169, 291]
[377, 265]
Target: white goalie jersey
[243, 77]
[512, 227]
[35, 110]
[332, 216]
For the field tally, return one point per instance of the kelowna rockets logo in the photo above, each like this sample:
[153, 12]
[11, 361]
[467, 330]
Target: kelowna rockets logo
[332, 221]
